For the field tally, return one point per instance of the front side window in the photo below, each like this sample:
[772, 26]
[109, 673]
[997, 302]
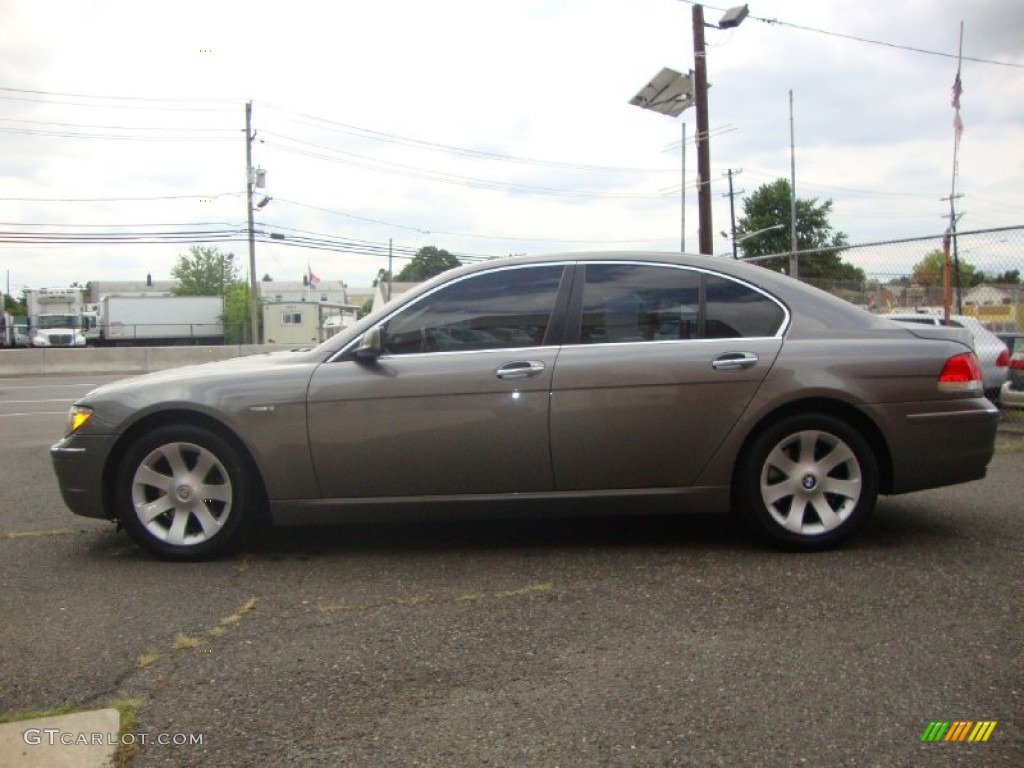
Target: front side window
[642, 302]
[501, 309]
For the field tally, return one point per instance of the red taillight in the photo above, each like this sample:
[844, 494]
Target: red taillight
[961, 373]
[1004, 358]
[1017, 361]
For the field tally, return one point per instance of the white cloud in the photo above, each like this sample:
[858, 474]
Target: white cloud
[545, 79]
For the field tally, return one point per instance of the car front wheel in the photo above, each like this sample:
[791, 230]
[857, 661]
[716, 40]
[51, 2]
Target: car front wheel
[181, 492]
[808, 482]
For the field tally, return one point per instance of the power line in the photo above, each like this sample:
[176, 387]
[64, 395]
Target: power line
[29, 94]
[114, 199]
[425, 174]
[465, 151]
[869, 41]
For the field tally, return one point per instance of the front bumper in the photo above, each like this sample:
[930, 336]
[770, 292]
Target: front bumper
[79, 465]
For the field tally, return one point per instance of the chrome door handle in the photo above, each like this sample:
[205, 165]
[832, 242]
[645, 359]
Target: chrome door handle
[734, 361]
[521, 369]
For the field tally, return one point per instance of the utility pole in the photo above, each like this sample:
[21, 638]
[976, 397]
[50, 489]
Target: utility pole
[953, 196]
[682, 195]
[700, 87]
[732, 213]
[249, 183]
[794, 266]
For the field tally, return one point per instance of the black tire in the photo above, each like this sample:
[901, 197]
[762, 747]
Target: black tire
[182, 493]
[807, 482]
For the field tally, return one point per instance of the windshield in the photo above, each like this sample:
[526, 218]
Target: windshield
[58, 321]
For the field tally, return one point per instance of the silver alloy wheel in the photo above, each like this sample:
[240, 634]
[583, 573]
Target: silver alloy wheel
[811, 482]
[181, 494]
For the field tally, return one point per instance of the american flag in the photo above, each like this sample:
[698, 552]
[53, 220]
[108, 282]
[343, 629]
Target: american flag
[958, 89]
[314, 279]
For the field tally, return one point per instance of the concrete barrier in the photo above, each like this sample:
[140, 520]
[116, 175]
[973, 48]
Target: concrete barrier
[38, 362]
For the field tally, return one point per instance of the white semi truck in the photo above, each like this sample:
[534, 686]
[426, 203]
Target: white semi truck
[159, 320]
[54, 317]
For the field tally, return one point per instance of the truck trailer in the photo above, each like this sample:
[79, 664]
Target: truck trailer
[159, 320]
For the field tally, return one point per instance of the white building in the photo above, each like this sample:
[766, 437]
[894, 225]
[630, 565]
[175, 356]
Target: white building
[324, 292]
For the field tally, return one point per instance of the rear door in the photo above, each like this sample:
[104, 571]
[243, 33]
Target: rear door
[665, 361]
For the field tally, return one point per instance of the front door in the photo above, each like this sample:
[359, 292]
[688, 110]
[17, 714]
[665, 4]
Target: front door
[457, 403]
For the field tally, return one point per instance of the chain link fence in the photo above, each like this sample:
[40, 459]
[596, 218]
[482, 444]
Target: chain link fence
[987, 267]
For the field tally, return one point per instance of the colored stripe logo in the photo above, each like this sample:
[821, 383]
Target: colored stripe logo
[958, 730]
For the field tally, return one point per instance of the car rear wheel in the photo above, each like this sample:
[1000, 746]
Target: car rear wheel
[181, 492]
[808, 482]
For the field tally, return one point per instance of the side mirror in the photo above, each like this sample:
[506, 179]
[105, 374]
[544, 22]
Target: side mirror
[371, 346]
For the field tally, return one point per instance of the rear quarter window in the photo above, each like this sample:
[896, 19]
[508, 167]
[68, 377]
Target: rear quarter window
[735, 310]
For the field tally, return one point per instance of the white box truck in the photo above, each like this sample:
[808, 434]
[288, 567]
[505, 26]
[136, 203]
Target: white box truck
[159, 320]
[54, 317]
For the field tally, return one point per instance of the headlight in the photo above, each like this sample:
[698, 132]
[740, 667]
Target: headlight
[77, 416]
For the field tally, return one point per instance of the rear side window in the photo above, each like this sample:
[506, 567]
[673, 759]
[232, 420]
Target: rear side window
[629, 302]
[640, 302]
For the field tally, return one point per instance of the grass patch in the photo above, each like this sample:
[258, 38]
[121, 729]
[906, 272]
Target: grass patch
[37, 534]
[181, 642]
[530, 589]
[235, 617]
[147, 658]
[34, 714]
[128, 709]
[1010, 445]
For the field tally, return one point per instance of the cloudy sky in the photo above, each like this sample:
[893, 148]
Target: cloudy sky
[485, 128]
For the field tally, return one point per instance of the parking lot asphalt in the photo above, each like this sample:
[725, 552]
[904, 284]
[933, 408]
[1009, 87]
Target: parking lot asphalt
[631, 640]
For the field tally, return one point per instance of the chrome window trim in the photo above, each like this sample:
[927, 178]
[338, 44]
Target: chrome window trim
[779, 334]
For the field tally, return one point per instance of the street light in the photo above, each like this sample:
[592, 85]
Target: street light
[747, 235]
[732, 19]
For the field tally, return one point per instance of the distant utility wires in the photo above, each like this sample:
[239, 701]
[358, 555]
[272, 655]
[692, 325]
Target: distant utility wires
[867, 40]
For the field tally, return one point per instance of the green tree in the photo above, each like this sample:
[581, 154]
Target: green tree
[928, 271]
[236, 313]
[1009, 277]
[427, 262]
[13, 305]
[768, 207]
[204, 271]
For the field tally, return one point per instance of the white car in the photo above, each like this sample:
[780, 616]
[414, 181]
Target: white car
[991, 351]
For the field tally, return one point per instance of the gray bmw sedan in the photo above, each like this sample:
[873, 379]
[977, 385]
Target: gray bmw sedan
[497, 388]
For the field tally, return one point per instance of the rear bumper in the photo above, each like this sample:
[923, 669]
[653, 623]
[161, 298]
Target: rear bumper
[938, 443]
[78, 463]
[1011, 398]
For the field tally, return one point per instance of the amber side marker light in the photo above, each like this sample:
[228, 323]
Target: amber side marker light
[961, 373]
[77, 416]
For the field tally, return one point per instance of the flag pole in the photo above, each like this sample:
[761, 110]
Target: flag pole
[958, 129]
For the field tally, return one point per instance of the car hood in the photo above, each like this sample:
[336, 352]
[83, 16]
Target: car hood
[236, 366]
